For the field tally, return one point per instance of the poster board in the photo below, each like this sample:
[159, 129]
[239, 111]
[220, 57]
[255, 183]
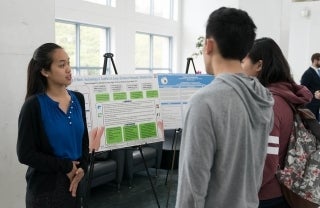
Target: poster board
[125, 107]
[175, 90]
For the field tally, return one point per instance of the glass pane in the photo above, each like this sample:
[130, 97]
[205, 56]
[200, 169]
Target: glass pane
[92, 46]
[161, 52]
[142, 51]
[112, 3]
[86, 72]
[162, 8]
[66, 38]
[74, 72]
[175, 10]
[142, 6]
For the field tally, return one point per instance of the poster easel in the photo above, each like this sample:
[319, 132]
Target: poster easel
[139, 147]
[174, 140]
[188, 65]
[105, 63]
[91, 157]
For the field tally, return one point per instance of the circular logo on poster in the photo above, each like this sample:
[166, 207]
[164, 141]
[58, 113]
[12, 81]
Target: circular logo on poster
[164, 80]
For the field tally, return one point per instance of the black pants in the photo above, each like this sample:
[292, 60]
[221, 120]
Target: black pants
[60, 197]
[279, 202]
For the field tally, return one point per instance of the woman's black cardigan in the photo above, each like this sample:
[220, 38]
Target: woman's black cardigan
[34, 150]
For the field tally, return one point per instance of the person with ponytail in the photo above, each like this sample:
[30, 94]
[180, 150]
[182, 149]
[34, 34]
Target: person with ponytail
[266, 61]
[52, 131]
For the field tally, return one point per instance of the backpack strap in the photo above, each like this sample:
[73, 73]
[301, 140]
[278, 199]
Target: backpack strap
[305, 113]
[309, 121]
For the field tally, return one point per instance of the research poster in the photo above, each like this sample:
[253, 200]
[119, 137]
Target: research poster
[125, 109]
[175, 91]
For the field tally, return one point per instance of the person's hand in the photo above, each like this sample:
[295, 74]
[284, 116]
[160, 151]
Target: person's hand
[75, 182]
[72, 173]
[94, 138]
[317, 94]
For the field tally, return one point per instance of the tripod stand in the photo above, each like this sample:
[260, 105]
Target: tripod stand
[106, 56]
[173, 148]
[91, 157]
[188, 65]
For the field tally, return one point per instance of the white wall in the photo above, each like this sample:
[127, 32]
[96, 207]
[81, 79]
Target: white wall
[194, 19]
[269, 16]
[23, 27]
[304, 36]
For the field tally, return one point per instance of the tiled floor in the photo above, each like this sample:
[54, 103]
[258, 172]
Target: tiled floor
[140, 195]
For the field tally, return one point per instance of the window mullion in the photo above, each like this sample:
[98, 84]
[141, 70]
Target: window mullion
[78, 48]
[170, 54]
[171, 9]
[152, 7]
[151, 53]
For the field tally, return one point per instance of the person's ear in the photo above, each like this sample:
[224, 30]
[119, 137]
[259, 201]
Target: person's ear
[44, 73]
[208, 46]
[259, 65]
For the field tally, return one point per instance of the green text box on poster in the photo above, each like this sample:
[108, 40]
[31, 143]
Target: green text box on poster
[152, 94]
[114, 135]
[148, 130]
[130, 132]
[102, 97]
[136, 95]
[120, 96]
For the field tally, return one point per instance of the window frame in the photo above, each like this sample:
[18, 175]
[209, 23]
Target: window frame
[77, 68]
[152, 10]
[152, 69]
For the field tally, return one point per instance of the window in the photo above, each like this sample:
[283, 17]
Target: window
[103, 2]
[153, 53]
[85, 45]
[159, 8]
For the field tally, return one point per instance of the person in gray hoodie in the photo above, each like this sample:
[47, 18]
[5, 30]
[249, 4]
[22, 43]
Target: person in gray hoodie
[227, 124]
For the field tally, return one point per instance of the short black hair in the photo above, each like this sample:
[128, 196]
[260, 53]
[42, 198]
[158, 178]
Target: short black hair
[233, 30]
[315, 56]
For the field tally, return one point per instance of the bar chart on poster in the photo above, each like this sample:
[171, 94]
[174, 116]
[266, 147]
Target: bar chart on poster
[126, 107]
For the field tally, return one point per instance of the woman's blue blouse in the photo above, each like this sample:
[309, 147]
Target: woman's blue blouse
[64, 130]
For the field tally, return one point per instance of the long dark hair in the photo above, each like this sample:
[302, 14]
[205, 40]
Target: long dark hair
[42, 59]
[275, 67]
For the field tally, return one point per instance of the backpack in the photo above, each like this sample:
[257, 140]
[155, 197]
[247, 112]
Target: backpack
[300, 178]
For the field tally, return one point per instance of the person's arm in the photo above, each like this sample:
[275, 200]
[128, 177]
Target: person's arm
[309, 81]
[272, 161]
[196, 157]
[305, 79]
[32, 148]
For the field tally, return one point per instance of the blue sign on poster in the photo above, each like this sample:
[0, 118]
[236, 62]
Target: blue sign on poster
[174, 93]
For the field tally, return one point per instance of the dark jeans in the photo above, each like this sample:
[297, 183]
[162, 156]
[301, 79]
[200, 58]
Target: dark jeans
[58, 198]
[279, 202]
